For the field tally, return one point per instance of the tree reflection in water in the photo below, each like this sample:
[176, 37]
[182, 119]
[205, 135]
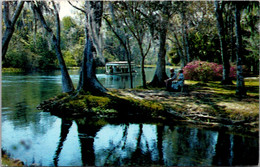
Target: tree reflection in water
[65, 126]
[145, 144]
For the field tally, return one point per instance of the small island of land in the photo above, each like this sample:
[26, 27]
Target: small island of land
[207, 105]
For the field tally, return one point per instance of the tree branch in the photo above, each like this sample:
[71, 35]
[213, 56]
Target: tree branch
[57, 22]
[80, 9]
[38, 10]
[118, 37]
[17, 12]
[148, 48]
[6, 14]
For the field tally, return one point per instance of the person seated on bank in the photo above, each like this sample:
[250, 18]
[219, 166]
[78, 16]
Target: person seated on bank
[169, 81]
[180, 81]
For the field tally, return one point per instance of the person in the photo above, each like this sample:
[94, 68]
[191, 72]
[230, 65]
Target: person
[110, 70]
[180, 81]
[168, 82]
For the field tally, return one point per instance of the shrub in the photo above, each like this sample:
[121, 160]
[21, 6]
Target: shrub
[206, 71]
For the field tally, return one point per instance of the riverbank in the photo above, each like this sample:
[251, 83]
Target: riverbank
[7, 161]
[209, 105]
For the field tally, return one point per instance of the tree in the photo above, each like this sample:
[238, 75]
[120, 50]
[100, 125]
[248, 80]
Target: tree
[241, 91]
[186, 52]
[160, 23]
[67, 84]
[9, 24]
[223, 45]
[138, 28]
[88, 81]
[122, 37]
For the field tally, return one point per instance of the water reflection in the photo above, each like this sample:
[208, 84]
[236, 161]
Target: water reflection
[146, 144]
[65, 126]
[48, 140]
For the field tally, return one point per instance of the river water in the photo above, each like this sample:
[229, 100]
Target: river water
[39, 138]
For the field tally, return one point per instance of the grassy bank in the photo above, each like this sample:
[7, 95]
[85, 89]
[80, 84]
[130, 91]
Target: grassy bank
[12, 70]
[208, 104]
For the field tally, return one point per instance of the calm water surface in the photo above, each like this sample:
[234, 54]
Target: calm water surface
[37, 137]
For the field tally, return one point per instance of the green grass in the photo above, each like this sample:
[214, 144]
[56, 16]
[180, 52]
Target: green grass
[12, 70]
[252, 87]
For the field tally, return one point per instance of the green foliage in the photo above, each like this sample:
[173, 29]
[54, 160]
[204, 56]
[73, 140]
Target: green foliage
[30, 53]
[97, 101]
[29, 50]
[204, 47]
[68, 23]
[174, 56]
[69, 59]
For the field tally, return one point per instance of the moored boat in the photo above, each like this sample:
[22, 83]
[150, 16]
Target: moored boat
[119, 67]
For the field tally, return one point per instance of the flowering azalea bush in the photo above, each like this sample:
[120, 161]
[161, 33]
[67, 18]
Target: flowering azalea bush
[205, 71]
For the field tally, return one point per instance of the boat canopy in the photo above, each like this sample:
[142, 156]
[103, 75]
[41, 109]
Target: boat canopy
[118, 67]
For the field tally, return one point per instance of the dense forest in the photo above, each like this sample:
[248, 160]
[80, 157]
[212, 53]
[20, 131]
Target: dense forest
[146, 32]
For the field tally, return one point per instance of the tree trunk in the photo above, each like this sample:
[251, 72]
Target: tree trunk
[67, 85]
[182, 56]
[88, 80]
[160, 74]
[241, 91]
[140, 44]
[187, 44]
[9, 25]
[143, 73]
[128, 53]
[125, 43]
[225, 58]
[64, 131]
[186, 53]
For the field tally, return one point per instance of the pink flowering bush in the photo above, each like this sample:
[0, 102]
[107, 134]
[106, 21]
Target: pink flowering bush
[205, 71]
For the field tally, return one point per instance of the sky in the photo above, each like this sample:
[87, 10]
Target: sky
[66, 9]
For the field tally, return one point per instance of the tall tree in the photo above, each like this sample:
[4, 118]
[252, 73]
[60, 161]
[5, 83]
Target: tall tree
[223, 46]
[160, 24]
[9, 24]
[137, 26]
[241, 91]
[67, 84]
[186, 51]
[93, 11]
[122, 36]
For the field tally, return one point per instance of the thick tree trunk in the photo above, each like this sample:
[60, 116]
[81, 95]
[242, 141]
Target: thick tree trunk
[88, 80]
[225, 58]
[160, 74]
[9, 25]
[67, 85]
[241, 91]
[87, 131]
